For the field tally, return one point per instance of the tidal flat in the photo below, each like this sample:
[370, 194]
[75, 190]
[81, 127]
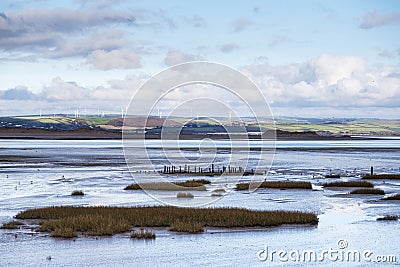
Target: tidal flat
[43, 173]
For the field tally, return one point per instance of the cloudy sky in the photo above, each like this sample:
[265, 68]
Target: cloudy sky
[310, 58]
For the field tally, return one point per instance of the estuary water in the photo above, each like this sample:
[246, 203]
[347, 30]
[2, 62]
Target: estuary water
[40, 173]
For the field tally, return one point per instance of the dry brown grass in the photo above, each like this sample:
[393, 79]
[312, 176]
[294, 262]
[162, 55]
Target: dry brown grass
[197, 185]
[368, 191]
[388, 218]
[349, 184]
[394, 197]
[382, 176]
[112, 220]
[77, 193]
[184, 195]
[275, 184]
[187, 227]
[11, 225]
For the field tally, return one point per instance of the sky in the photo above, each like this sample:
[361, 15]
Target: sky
[309, 58]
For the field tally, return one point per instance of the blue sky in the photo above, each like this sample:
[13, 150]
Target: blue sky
[310, 58]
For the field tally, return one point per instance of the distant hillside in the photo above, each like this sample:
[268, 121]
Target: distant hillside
[141, 121]
[283, 125]
[45, 122]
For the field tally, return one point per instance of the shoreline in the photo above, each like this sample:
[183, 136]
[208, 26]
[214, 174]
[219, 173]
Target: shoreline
[91, 134]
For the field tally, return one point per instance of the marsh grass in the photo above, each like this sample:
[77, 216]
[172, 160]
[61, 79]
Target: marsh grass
[349, 184]
[332, 176]
[112, 220]
[202, 181]
[276, 184]
[388, 218]
[11, 225]
[382, 176]
[197, 185]
[184, 195]
[64, 233]
[186, 227]
[394, 197]
[77, 193]
[133, 187]
[143, 234]
[90, 224]
[368, 191]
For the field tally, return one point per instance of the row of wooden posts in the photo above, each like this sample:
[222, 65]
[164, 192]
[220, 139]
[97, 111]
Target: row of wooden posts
[198, 169]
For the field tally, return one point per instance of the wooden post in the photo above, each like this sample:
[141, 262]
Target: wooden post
[212, 168]
[372, 170]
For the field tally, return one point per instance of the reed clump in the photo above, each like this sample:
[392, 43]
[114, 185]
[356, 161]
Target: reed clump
[332, 176]
[349, 184]
[394, 197]
[202, 181]
[102, 220]
[192, 183]
[64, 233]
[90, 224]
[197, 185]
[11, 225]
[275, 184]
[133, 187]
[187, 227]
[368, 191]
[77, 193]
[143, 234]
[184, 195]
[388, 218]
[382, 176]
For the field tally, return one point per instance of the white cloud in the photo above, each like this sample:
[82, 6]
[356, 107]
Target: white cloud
[330, 81]
[108, 40]
[19, 92]
[326, 85]
[60, 90]
[40, 28]
[115, 59]
[328, 69]
[117, 90]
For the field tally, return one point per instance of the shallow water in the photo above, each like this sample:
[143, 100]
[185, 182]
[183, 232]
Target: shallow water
[31, 176]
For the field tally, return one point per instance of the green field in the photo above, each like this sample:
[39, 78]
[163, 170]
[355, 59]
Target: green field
[322, 126]
[97, 120]
[353, 127]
